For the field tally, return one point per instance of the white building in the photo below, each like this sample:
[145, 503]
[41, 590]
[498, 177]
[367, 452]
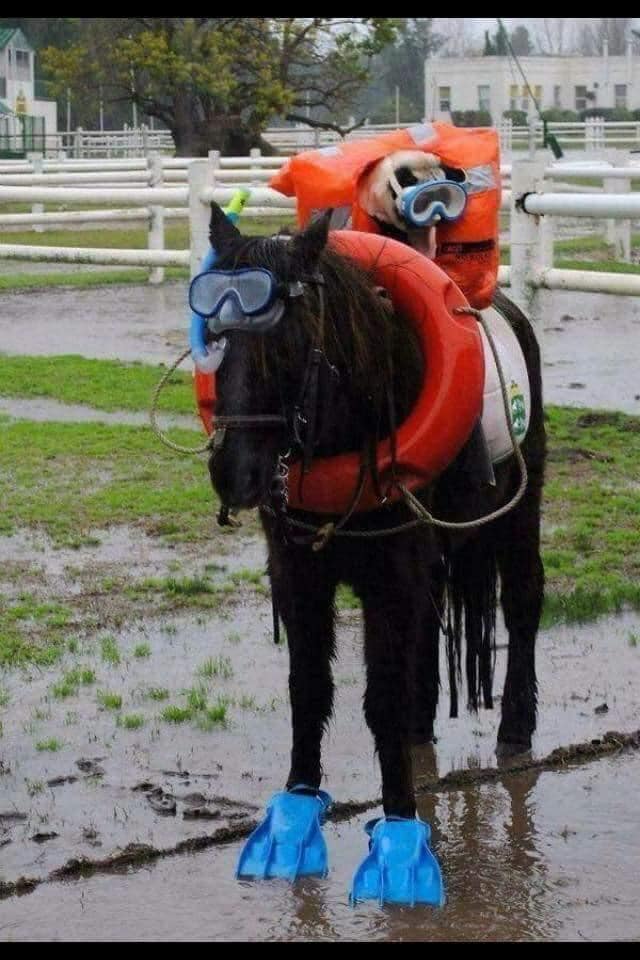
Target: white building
[17, 84]
[495, 84]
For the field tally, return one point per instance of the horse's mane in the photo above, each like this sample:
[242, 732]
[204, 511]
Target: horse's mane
[372, 345]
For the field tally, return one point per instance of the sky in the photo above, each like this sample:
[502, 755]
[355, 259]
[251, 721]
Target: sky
[474, 27]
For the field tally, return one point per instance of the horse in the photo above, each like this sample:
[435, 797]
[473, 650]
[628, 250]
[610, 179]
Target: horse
[412, 585]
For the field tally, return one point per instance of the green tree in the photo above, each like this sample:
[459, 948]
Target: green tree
[216, 82]
[521, 42]
[400, 67]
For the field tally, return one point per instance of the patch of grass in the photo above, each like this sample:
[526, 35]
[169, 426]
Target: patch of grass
[142, 650]
[102, 384]
[346, 598]
[247, 575]
[31, 629]
[52, 744]
[247, 702]
[158, 693]
[608, 266]
[34, 787]
[68, 478]
[591, 514]
[109, 701]
[634, 639]
[131, 721]
[197, 698]
[216, 667]
[233, 637]
[215, 715]
[109, 650]
[5, 699]
[176, 714]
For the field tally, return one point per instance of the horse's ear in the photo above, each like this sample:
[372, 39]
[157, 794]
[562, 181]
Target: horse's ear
[312, 241]
[222, 233]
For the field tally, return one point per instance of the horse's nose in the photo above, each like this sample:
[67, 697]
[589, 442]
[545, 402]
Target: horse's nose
[241, 476]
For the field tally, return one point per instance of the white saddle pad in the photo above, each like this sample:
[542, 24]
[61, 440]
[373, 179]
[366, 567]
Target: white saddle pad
[514, 368]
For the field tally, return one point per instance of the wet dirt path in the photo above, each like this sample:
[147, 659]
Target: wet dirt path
[591, 347]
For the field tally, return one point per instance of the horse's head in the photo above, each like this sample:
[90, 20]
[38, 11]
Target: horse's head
[310, 374]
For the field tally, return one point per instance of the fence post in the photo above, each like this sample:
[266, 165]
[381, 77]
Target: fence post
[145, 140]
[618, 232]
[37, 162]
[77, 143]
[533, 132]
[156, 217]
[527, 250]
[255, 167]
[589, 140]
[200, 177]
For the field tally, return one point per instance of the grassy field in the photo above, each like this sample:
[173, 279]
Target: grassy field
[70, 481]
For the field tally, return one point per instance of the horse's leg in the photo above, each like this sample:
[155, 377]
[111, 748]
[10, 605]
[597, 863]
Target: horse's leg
[426, 667]
[522, 578]
[304, 593]
[390, 635]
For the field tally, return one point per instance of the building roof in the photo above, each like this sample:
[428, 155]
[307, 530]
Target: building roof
[15, 34]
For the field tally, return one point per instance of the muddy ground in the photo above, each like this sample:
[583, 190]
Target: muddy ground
[132, 832]
[103, 833]
[591, 342]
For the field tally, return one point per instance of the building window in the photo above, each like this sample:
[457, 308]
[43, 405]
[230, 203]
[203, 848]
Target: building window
[581, 98]
[537, 92]
[444, 98]
[514, 91]
[484, 98]
[3, 87]
[524, 99]
[23, 66]
[621, 96]
[557, 96]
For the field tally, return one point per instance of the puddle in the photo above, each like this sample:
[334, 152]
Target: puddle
[42, 410]
[551, 856]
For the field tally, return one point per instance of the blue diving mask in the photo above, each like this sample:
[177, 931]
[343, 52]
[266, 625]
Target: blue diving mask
[249, 299]
[427, 203]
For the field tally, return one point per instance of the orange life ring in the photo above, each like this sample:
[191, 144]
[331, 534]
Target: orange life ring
[450, 400]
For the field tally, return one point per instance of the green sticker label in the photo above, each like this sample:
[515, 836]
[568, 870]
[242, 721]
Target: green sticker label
[518, 411]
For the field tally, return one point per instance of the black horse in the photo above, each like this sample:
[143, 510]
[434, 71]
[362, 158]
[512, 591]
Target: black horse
[412, 585]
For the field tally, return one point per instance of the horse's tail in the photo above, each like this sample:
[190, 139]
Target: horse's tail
[470, 610]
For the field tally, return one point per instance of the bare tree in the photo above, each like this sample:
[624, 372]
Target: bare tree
[458, 40]
[551, 35]
[615, 30]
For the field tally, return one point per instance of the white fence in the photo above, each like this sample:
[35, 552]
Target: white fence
[532, 204]
[592, 134]
[79, 143]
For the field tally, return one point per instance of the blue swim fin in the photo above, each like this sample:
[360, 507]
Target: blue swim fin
[289, 841]
[400, 867]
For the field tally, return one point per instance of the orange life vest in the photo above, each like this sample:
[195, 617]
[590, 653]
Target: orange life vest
[467, 250]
